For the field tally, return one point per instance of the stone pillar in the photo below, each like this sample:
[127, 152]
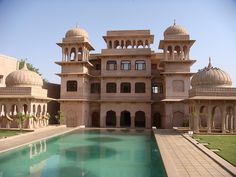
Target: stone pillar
[165, 53]
[196, 119]
[187, 54]
[173, 52]
[227, 121]
[190, 122]
[148, 121]
[82, 54]
[231, 123]
[76, 54]
[209, 118]
[132, 121]
[63, 54]
[103, 121]
[223, 119]
[14, 110]
[182, 53]
[118, 121]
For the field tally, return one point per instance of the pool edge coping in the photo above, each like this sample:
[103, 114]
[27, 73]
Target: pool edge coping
[169, 165]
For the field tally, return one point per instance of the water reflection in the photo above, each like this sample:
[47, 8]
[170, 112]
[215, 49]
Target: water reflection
[35, 149]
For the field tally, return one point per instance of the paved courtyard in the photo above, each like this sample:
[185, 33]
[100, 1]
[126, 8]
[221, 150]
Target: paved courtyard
[183, 159]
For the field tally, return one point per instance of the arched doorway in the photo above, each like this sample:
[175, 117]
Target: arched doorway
[140, 119]
[14, 110]
[216, 118]
[125, 119]
[156, 120]
[38, 111]
[178, 119]
[111, 119]
[95, 119]
[203, 116]
[25, 109]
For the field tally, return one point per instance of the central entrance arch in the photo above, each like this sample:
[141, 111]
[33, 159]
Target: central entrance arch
[95, 119]
[125, 119]
[111, 119]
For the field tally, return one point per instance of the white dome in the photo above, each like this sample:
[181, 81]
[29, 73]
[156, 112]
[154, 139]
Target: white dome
[76, 32]
[175, 31]
[23, 78]
[211, 77]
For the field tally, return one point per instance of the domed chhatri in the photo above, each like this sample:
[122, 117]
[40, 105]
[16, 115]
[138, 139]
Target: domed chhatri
[175, 31]
[24, 78]
[76, 32]
[211, 77]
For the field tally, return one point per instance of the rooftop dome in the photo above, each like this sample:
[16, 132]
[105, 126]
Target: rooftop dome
[23, 78]
[211, 77]
[175, 30]
[76, 32]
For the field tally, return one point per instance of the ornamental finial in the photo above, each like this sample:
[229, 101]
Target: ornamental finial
[209, 64]
[174, 22]
[24, 66]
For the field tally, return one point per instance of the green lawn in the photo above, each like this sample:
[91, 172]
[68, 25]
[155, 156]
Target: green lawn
[225, 143]
[7, 133]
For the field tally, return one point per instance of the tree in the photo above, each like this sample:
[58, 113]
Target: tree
[29, 66]
[60, 117]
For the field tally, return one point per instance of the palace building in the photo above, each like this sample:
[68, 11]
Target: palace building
[127, 84]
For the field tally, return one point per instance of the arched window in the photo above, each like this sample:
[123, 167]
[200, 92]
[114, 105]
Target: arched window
[128, 44]
[72, 54]
[140, 44]
[140, 65]
[116, 44]
[71, 86]
[111, 65]
[111, 87]
[125, 87]
[139, 87]
[125, 65]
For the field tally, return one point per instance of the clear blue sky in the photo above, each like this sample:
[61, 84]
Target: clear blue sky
[31, 28]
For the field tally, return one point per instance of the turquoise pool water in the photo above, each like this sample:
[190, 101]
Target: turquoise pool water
[87, 153]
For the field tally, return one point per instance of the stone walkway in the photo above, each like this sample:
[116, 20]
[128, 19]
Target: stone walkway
[20, 140]
[182, 159]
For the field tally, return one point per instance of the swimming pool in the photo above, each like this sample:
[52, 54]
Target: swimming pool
[87, 153]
